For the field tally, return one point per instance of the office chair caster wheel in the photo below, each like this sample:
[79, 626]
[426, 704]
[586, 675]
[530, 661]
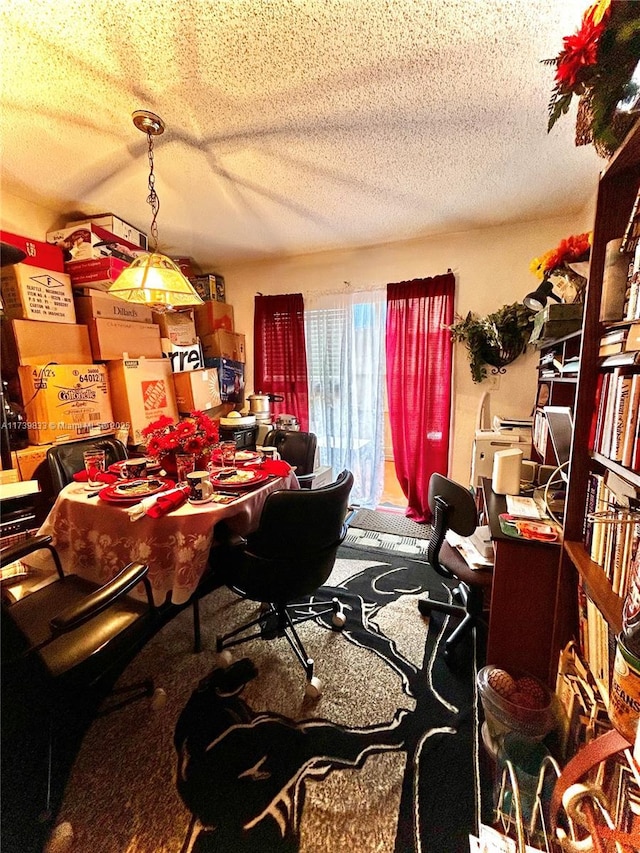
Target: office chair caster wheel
[338, 619]
[158, 699]
[61, 839]
[313, 690]
[264, 608]
[225, 659]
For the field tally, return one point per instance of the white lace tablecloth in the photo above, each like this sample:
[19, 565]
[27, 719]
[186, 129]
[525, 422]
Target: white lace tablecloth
[96, 539]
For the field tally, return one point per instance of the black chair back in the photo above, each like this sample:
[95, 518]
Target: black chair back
[65, 460]
[293, 550]
[296, 448]
[453, 508]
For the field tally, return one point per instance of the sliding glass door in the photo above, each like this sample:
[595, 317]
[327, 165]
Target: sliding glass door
[345, 340]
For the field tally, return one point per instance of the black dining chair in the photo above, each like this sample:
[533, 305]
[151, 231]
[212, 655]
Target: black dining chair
[454, 508]
[66, 459]
[288, 557]
[298, 449]
[64, 644]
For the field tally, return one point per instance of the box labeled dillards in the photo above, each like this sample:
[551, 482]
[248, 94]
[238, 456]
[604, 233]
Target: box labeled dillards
[35, 293]
[65, 401]
[142, 391]
[197, 390]
[114, 339]
[90, 306]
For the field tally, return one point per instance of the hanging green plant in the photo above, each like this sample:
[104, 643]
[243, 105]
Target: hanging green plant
[495, 340]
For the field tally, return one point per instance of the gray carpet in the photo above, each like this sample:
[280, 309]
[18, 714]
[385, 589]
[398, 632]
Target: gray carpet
[389, 522]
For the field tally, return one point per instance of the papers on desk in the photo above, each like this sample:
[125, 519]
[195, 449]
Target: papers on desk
[21, 489]
[521, 507]
[476, 550]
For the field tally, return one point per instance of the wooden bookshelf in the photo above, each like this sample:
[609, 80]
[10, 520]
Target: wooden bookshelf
[617, 191]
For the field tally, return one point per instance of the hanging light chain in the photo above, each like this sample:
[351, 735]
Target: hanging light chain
[152, 199]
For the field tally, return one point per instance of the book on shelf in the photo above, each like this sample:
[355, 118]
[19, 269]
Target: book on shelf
[632, 338]
[571, 365]
[622, 359]
[631, 422]
[632, 231]
[611, 349]
[615, 277]
[620, 416]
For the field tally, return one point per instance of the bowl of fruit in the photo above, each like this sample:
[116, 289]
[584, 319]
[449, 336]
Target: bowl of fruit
[515, 701]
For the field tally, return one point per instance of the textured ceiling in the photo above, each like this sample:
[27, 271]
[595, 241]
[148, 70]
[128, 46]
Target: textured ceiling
[292, 125]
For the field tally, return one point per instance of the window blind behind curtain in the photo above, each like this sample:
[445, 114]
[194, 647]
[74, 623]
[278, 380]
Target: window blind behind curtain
[419, 358]
[280, 359]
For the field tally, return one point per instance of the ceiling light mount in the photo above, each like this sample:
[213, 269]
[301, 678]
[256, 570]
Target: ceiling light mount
[148, 122]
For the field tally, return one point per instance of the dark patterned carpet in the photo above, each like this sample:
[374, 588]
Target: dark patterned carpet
[239, 760]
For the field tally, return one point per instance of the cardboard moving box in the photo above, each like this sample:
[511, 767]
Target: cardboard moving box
[36, 343]
[116, 226]
[112, 339]
[222, 344]
[178, 327]
[39, 254]
[89, 306]
[142, 391]
[213, 316]
[197, 390]
[209, 286]
[65, 401]
[183, 358]
[230, 377]
[36, 293]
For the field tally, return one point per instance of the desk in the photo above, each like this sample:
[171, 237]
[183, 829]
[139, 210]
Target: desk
[95, 539]
[523, 597]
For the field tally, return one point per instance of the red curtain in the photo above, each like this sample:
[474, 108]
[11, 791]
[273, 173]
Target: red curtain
[419, 356]
[280, 356]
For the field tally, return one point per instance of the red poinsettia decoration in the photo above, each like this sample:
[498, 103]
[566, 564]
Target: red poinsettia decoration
[196, 434]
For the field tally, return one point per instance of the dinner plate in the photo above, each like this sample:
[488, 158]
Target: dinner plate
[243, 457]
[239, 479]
[125, 491]
[116, 468]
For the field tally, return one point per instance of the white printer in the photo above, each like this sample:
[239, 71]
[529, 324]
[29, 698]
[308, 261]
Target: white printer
[504, 434]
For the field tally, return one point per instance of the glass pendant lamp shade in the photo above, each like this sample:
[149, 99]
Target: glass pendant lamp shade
[154, 280]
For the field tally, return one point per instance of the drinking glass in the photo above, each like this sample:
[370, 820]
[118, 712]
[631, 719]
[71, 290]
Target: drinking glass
[185, 464]
[228, 452]
[94, 464]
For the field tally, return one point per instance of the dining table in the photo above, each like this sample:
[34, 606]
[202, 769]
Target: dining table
[95, 537]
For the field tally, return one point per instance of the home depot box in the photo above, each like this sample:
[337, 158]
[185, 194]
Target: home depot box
[57, 342]
[116, 225]
[223, 344]
[197, 390]
[36, 293]
[178, 326]
[65, 401]
[182, 358]
[90, 306]
[112, 339]
[142, 391]
[230, 377]
[213, 316]
[84, 242]
[38, 253]
[209, 287]
[97, 274]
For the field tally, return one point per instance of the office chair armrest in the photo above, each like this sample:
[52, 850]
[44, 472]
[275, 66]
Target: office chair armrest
[21, 550]
[96, 602]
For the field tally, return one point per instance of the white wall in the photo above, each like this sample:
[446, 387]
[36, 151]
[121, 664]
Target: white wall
[491, 267]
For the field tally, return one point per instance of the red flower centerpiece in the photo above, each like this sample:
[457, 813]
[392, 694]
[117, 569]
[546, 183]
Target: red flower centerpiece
[196, 434]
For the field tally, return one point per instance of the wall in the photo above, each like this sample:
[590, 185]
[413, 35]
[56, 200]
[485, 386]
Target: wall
[491, 268]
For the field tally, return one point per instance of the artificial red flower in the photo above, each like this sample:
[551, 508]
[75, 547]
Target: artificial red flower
[196, 435]
[580, 52]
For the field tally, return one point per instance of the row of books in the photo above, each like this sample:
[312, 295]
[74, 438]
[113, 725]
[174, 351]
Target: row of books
[618, 340]
[612, 542]
[616, 426]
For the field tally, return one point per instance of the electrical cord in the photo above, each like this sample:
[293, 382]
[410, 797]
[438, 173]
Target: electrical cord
[545, 496]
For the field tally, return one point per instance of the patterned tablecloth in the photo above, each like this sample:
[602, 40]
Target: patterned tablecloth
[96, 539]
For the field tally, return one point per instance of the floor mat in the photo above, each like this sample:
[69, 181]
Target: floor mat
[389, 522]
[372, 539]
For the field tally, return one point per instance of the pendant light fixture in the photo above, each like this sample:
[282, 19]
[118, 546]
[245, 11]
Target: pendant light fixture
[153, 279]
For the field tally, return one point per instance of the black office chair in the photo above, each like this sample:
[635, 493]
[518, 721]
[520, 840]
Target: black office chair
[289, 557]
[298, 449]
[65, 643]
[66, 459]
[454, 508]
